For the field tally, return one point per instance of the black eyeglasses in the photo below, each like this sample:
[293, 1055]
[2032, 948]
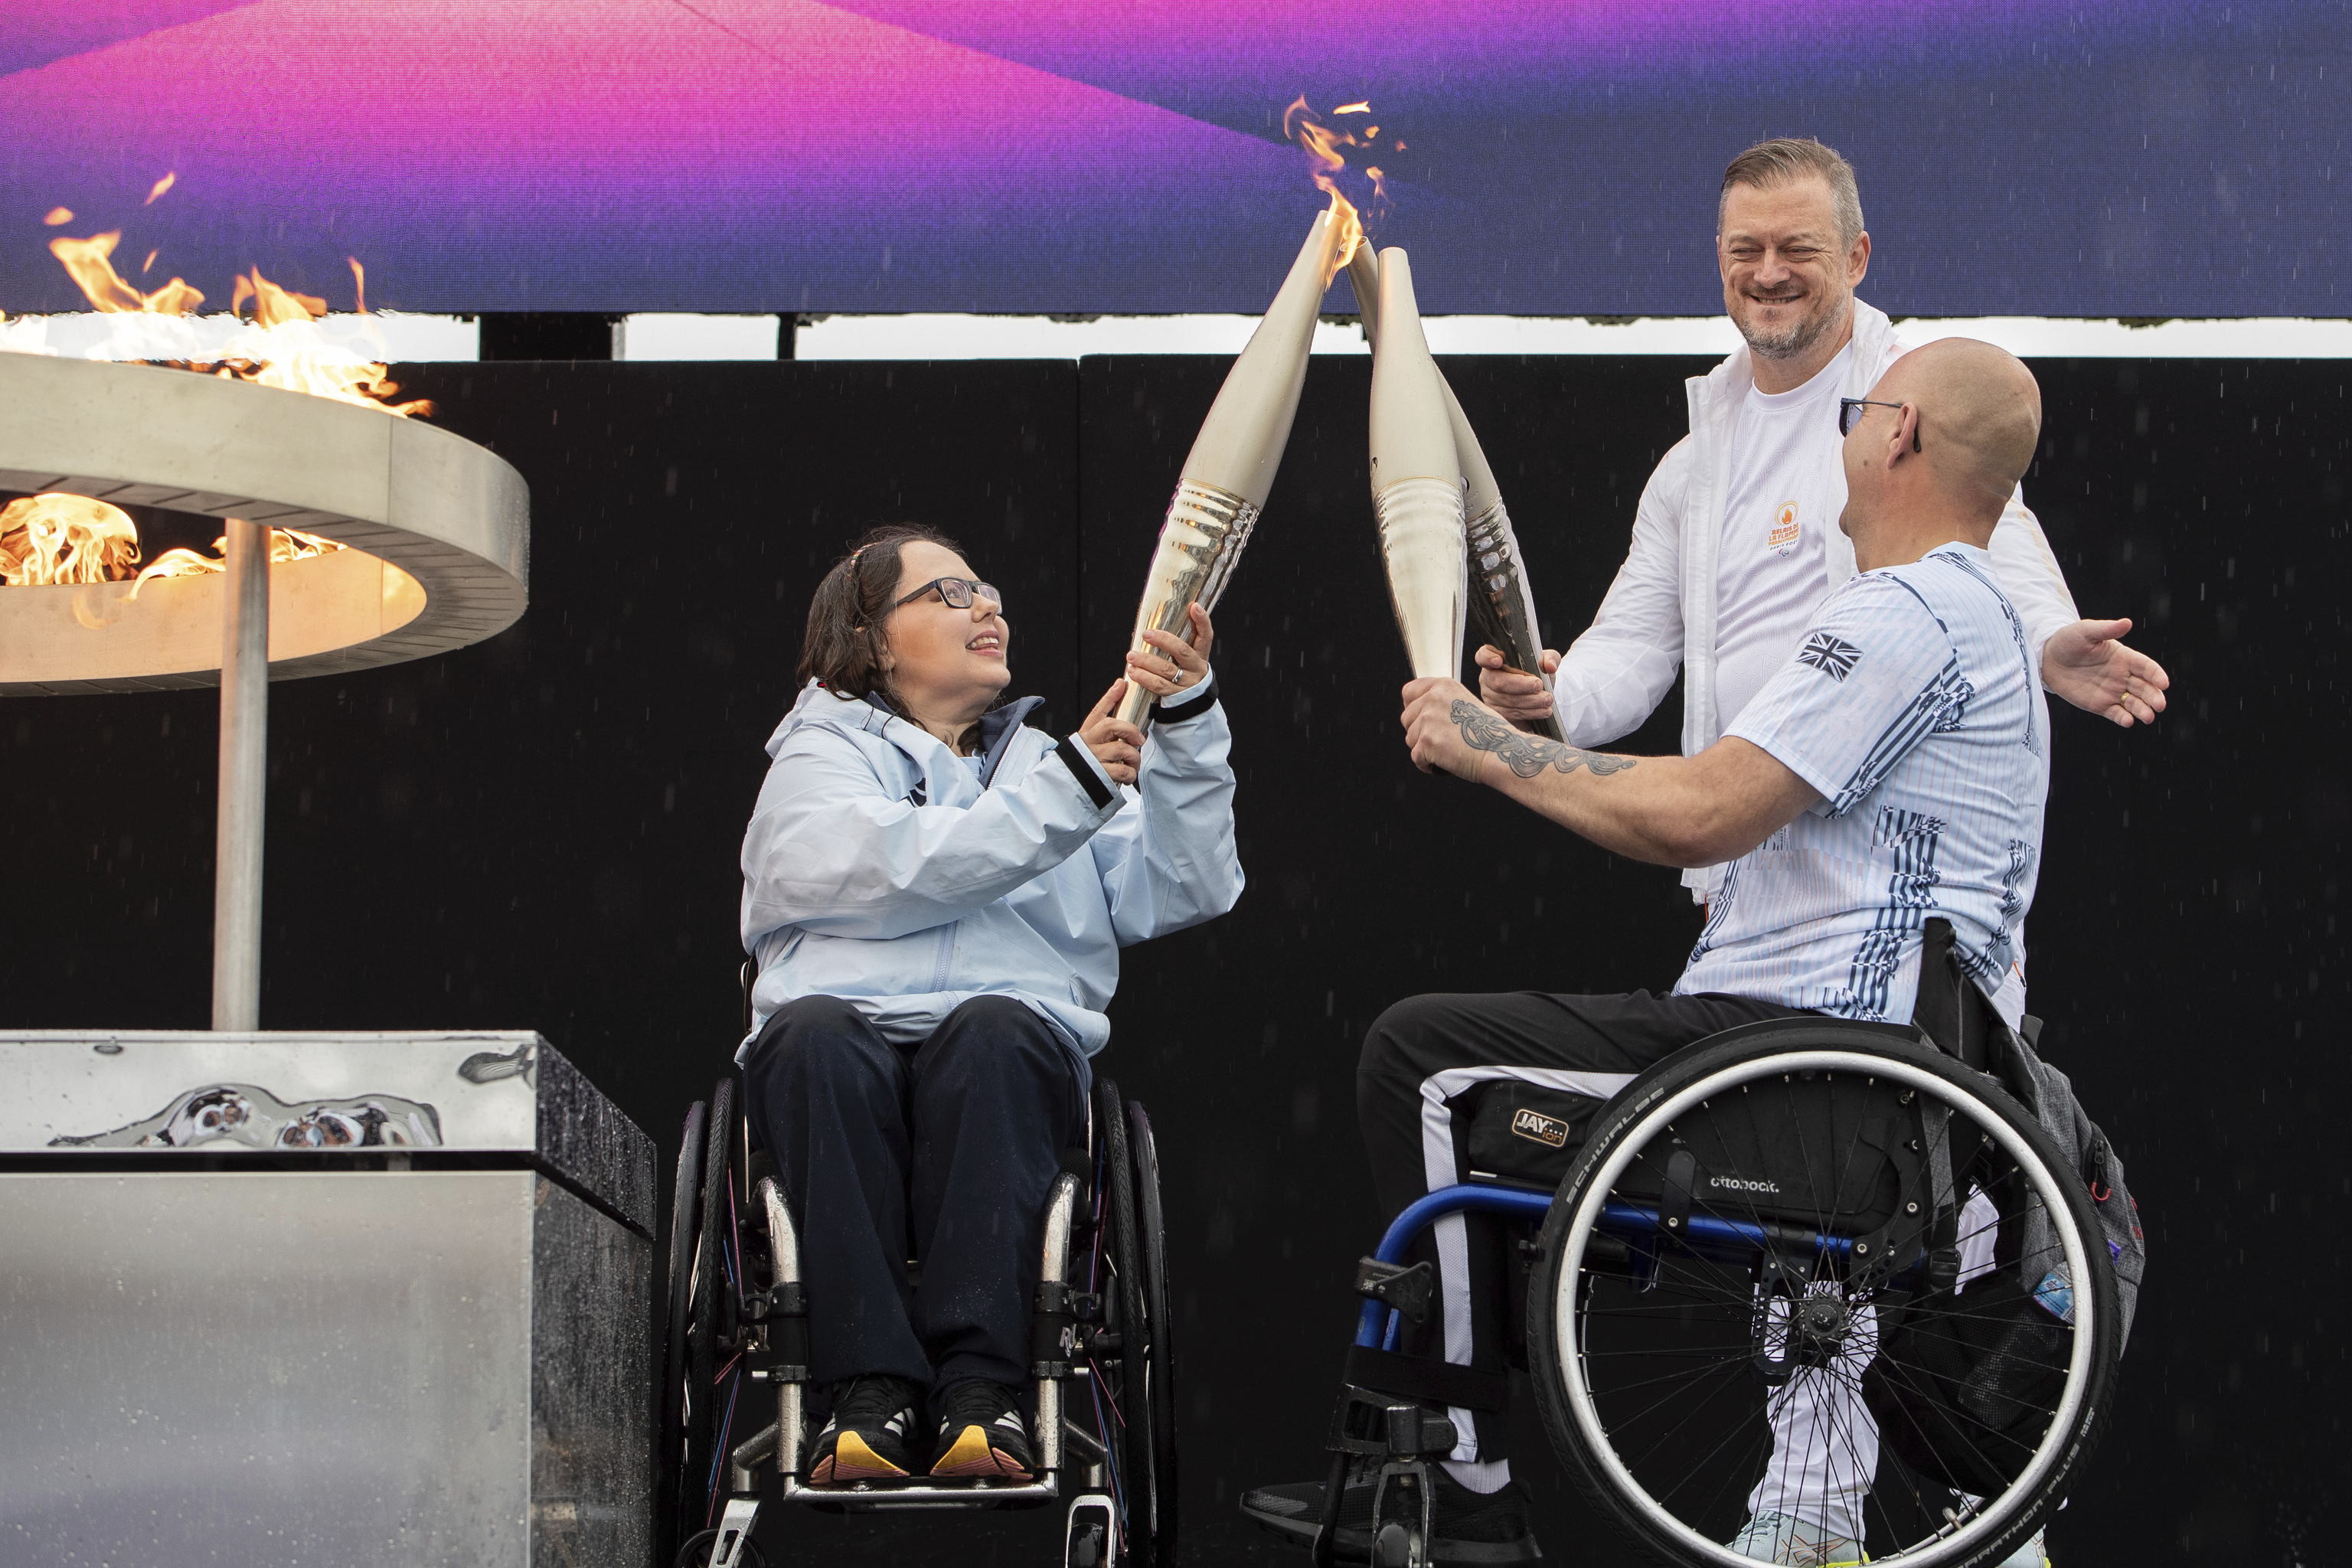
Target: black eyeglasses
[957, 593]
[1850, 415]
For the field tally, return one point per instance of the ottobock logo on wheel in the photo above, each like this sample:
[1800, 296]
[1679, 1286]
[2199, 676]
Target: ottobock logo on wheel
[1744, 1183]
[1545, 1130]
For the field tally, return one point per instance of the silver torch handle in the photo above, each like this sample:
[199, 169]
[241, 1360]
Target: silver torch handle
[1200, 541]
[1502, 607]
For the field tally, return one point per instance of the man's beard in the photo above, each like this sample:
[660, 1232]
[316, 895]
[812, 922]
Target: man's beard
[1789, 341]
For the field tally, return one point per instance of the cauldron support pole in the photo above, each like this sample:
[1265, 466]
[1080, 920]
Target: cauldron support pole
[243, 776]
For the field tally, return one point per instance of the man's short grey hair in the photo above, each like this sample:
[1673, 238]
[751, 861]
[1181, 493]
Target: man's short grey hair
[1786, 159]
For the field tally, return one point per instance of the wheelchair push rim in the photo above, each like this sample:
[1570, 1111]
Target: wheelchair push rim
[1570, 1291]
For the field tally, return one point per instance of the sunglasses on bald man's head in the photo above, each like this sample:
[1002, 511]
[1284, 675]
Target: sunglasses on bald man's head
[957, 593]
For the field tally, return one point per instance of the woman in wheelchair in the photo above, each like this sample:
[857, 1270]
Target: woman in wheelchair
[935, 893]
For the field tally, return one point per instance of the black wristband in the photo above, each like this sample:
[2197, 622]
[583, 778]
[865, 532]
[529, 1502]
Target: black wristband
[1189, 704]
[1082, 767]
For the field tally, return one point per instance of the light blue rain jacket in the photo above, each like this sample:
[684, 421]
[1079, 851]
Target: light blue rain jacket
[883, 869]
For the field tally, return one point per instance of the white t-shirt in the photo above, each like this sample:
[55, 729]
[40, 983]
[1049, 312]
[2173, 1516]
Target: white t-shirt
[1911, 705]
[1784, 489]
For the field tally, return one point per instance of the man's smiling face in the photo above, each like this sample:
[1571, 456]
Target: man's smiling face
[1787, 277]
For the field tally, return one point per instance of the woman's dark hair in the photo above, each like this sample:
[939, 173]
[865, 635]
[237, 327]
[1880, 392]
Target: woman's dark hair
[844, 647]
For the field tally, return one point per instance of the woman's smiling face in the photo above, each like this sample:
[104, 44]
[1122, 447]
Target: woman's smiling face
[946, 664]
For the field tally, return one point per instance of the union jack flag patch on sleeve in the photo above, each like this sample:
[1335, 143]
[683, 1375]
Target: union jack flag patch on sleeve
[1833, 657]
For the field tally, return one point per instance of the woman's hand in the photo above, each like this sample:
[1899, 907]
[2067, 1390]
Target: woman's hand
[1117, 745]
[1178, 664]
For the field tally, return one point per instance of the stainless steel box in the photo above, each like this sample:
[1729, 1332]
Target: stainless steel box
[348, 1299]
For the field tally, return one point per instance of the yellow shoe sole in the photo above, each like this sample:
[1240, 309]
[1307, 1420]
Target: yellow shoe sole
[971, 1456]
[851, 1460]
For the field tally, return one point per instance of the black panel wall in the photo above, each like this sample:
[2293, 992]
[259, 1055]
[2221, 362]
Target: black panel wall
[541, 832]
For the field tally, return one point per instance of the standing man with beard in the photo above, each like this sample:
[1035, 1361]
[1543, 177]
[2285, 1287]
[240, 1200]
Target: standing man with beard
[1736, 542]
[1734, 548]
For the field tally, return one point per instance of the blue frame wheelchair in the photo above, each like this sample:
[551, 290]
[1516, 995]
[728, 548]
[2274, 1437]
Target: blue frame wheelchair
[1102, 1369]
[1782, 1204]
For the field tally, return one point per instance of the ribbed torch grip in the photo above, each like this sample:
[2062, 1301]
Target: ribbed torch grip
[1200, 541]
[1502, 607]
[1421, 541]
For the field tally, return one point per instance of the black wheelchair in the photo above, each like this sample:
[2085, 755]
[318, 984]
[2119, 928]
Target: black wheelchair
[734, 1355]
[1784, 1201]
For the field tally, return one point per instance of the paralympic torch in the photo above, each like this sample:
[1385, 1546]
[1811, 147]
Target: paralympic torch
[1416, 481]
[1225, 480]
[1501, 606]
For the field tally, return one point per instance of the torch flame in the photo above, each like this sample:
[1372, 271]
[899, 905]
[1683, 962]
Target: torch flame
[52, 538]
[57, 215]
[165, 183]
[1327, 161]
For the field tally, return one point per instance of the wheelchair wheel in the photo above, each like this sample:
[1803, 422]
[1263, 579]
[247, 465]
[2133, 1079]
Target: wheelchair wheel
[1123, 1378]
[711, 1321]
[698, 1394]
[1151, 1233]
[695, 1549]
[685, 1228]
[1850, 1233]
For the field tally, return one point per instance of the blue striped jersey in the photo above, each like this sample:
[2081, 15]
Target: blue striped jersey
[1911, 705]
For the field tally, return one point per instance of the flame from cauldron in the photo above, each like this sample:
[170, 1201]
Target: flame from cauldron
[48, 540]
[56, 539]
[284, 348]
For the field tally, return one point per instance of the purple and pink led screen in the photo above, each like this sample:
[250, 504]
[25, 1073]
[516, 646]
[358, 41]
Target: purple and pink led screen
[2158, 157]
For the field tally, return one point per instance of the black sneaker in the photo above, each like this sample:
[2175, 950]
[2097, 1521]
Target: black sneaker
[981, 1435]
[867, 1437]
[1472, 1527]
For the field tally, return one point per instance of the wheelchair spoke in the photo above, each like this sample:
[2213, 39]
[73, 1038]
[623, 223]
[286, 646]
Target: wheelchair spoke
[1687, 1417]
[1890, 1396]
[1845, 1388]
[1617, 1390]
[1727, 1475]
[1850, 1386]
[1707, 1461]
[1796, 1119]
[1736, 1349]
[1897, 1369]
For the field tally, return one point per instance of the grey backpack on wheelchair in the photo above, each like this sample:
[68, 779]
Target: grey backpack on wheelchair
[1984, 1356]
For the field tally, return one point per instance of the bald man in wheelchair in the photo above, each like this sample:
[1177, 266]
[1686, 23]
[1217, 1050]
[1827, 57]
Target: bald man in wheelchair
[1889, 781]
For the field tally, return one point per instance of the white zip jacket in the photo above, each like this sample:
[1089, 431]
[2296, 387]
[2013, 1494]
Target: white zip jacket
[1660, 612]
[881, 867]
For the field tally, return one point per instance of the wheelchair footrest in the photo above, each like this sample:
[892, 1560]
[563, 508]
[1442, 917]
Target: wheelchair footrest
[1388, 1425]
[1431, 1381]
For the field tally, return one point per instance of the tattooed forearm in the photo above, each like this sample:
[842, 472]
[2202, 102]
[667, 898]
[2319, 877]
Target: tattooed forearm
[1525, 754]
